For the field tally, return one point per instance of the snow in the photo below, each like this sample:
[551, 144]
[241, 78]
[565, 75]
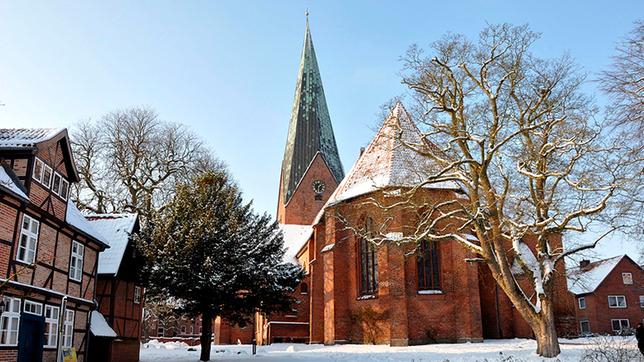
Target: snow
[26, 137]
[8, 183]
[295, 236]
[116, 228]
[525, 253]
[388, 162]
[99, 326]
[75, 218]
[490, 350]
[586, 281]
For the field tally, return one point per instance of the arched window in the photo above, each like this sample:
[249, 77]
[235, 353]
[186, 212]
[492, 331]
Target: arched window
[304, 288]
[368, 262]
[428, 266]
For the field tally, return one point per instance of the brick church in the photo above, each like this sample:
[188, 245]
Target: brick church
[356, 291]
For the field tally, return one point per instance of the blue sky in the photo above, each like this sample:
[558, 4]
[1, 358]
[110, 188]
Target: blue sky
[227, 69]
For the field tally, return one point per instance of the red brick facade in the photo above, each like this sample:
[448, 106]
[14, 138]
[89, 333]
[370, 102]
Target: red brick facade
[596, 310]
[47, 280]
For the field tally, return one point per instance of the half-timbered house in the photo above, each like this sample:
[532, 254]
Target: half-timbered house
[119, 296]
[48, 250]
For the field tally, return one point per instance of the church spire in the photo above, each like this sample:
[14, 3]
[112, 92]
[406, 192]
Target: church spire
[310, 131]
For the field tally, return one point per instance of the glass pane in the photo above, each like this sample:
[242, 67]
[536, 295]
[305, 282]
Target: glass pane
[38, 170]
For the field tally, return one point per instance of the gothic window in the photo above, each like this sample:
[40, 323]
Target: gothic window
[368, 262]
[428, 266]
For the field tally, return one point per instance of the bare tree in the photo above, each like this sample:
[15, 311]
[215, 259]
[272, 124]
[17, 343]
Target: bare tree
[131, 161]
[516, 133]
[624, 83]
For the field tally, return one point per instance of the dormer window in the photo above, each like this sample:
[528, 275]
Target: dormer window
[42, 173]
[60, 186]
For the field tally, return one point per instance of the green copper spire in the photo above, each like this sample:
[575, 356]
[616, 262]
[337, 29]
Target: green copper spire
[310, 129]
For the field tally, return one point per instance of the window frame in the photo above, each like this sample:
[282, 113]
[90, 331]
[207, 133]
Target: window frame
[137, 294]
[613, 320]
[617, 298]
[642, 301]
[38, 167]
[47, 169]
[579, 303]
[581, 326]
[68, 328]
[160, 328]
[76, 272]
[367, 263]
[624, 278]
[28, 233]
[428, 255]
[11, 312]
[32, 303]
[51, 326]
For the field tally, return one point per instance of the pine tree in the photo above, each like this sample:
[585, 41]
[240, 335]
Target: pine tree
[212, 253]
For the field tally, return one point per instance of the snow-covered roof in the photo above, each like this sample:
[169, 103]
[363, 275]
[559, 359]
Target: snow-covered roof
[389, 160]
[587, 279]
[99, 326]
[116, 228]
[9, 184]
[26, 137]
[295, 236]
[76, 219]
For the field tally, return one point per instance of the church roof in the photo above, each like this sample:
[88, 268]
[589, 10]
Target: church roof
[389, 160]
[310, 129]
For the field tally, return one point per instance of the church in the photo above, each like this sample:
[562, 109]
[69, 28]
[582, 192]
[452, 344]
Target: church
[357, 291]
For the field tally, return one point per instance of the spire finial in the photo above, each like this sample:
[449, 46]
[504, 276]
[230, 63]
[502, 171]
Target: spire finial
[306, 13]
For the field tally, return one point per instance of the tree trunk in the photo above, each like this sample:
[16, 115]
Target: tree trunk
[206, 335]
[545, 331]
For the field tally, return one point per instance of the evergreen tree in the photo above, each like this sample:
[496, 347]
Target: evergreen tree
[209, 250]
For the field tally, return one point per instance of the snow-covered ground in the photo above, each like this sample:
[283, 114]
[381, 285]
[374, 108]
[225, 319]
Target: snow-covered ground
[507, 350]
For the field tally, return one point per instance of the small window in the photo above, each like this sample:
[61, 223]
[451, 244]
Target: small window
[76, 262]
[46, 176]
[28, 240]
[137, 295]
[38, 166]
[616, 301]
[192, 329]
[51, 326]
[620, 325]
[64, 189]
[60, 186]
[68, 329]
[642, 301]
[183, 329]
[9, 322]
[584, 326]
[160, 332]
[627, 278]
[582, 303]
[33, 307]
[304, 288]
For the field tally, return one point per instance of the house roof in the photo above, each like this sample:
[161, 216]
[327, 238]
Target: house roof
[76, 219]
[11, 184]
[117, 229]
[310, 130]
[26, 137]
[295, 236]
[389, 160]
[585, 280]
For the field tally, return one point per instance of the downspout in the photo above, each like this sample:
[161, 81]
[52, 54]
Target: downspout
[63, 305]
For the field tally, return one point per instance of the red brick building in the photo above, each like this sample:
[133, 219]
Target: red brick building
[48, 250]
[609, 295]
[358, 292]
[120, 298]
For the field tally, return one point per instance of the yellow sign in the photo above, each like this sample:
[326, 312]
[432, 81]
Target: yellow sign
[69, 354]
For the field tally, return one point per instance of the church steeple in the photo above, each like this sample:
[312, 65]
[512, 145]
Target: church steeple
[310, 131]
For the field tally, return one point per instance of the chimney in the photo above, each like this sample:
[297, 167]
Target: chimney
[361, 151]
[584, 264]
